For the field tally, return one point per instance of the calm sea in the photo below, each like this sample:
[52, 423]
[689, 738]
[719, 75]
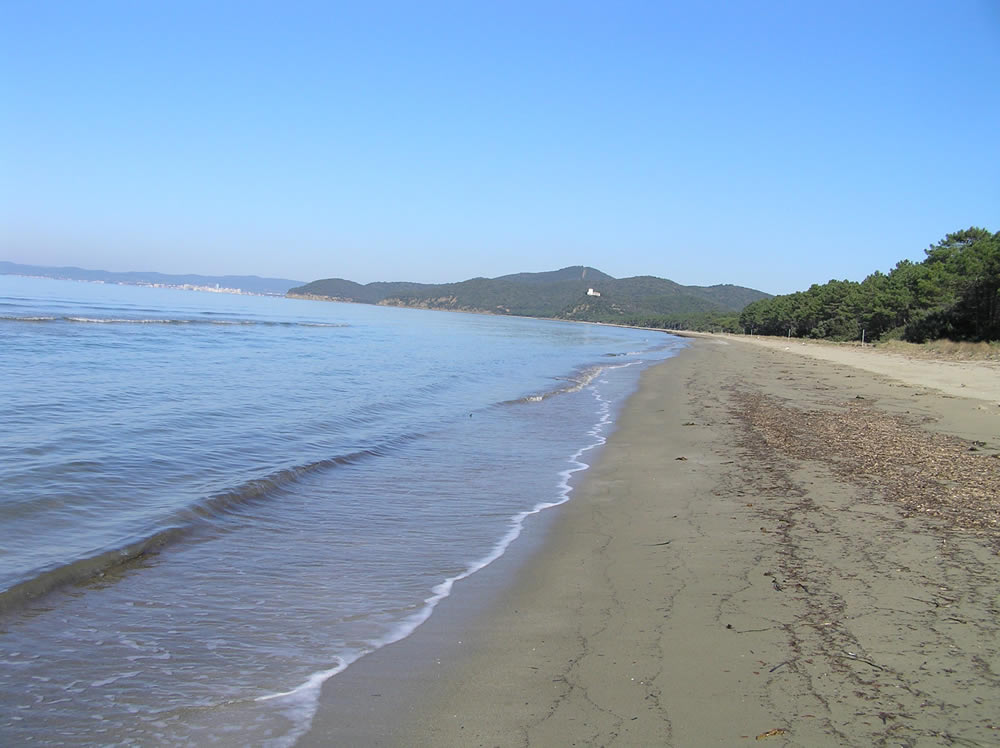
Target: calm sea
[210, 504]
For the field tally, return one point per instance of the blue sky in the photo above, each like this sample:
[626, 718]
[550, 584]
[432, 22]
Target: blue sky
[767, 144]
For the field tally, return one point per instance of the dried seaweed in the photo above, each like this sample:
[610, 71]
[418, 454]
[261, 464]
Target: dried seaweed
[932, 474]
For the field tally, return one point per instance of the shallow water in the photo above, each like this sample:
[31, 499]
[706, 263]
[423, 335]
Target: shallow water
[211, 503]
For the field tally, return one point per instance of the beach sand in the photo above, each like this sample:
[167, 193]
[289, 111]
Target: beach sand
[771, 546]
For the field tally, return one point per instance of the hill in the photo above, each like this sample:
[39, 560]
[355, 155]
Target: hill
[561, 294]
[245, 283]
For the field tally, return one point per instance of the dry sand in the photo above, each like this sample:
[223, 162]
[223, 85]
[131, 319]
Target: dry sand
[972, 379]
[771, 546]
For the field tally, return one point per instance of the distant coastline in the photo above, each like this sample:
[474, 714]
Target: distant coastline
[141, 284]
[232, 284]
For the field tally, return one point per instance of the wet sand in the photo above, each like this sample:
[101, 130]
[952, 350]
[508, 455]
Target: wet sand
[770, 546]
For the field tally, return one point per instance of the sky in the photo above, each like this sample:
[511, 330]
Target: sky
[769, 144]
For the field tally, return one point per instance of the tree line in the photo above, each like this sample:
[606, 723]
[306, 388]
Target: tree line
[953, 293]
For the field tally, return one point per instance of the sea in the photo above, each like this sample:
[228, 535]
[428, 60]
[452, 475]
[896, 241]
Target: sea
[212, 503]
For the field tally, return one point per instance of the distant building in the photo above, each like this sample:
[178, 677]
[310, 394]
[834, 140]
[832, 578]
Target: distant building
[592, 292]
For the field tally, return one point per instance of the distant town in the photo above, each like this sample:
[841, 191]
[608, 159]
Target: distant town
[180, 287]
[233, 284]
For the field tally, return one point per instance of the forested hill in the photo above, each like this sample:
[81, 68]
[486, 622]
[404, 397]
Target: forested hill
[565, 294]
[954, 293]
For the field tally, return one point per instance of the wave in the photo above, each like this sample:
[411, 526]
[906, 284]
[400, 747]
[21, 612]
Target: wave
[302, 702]
[209, 512]
[164, 321]
[574, 384]
[219, 505]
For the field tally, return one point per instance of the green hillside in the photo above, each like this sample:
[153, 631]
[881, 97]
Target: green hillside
[561, 294]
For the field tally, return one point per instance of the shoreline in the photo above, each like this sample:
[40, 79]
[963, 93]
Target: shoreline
[726, 570]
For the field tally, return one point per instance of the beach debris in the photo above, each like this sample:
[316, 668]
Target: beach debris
[778, 587]
[934, 475]
[680, 458]
[935, 603]
[689, 423]
[771, 733]
[780, 664]
[859, 658]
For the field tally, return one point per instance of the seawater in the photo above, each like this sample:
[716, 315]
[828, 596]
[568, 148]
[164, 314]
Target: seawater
[210, 503]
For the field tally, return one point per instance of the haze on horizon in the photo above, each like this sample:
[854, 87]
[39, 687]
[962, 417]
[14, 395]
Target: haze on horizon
[769, 145]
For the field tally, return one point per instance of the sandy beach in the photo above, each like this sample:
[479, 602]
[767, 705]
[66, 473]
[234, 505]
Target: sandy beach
[771, 547]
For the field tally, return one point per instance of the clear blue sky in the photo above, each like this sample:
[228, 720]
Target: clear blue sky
[768, 144]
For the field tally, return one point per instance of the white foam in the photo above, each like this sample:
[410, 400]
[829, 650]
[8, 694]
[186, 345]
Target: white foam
[120, 320]
[580, 382]
[301, 703]
[112, 679]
